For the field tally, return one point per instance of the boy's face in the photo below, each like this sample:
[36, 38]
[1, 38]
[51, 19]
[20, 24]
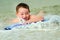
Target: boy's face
[23, 13]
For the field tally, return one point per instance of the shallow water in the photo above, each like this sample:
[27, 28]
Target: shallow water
[24, 34]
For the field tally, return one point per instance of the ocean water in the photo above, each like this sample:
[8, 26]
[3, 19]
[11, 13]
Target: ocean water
[41, 31]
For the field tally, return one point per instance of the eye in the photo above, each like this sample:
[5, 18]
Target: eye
[21, 14]
[27, 13]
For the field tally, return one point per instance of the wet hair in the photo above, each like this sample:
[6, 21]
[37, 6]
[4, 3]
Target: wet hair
[23, 5]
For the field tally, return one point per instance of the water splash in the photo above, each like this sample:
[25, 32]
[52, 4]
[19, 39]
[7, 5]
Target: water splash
[50, 22]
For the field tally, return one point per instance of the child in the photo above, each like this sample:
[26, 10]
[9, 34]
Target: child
[23, 13]
[23, 16]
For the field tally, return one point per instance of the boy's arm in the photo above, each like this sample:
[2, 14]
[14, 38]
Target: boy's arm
[14, 20]
[35, 19]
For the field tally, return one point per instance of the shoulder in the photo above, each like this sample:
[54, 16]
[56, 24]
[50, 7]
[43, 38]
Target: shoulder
[33, 16]
[36, 17]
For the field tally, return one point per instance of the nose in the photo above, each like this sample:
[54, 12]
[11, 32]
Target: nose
[24, 16]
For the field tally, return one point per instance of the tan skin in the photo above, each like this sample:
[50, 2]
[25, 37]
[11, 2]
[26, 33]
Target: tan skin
[24, 14]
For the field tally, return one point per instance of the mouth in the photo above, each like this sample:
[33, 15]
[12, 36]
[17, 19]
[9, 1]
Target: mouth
[25, 19]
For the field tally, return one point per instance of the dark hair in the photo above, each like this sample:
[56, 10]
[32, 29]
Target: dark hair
[22, 5]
